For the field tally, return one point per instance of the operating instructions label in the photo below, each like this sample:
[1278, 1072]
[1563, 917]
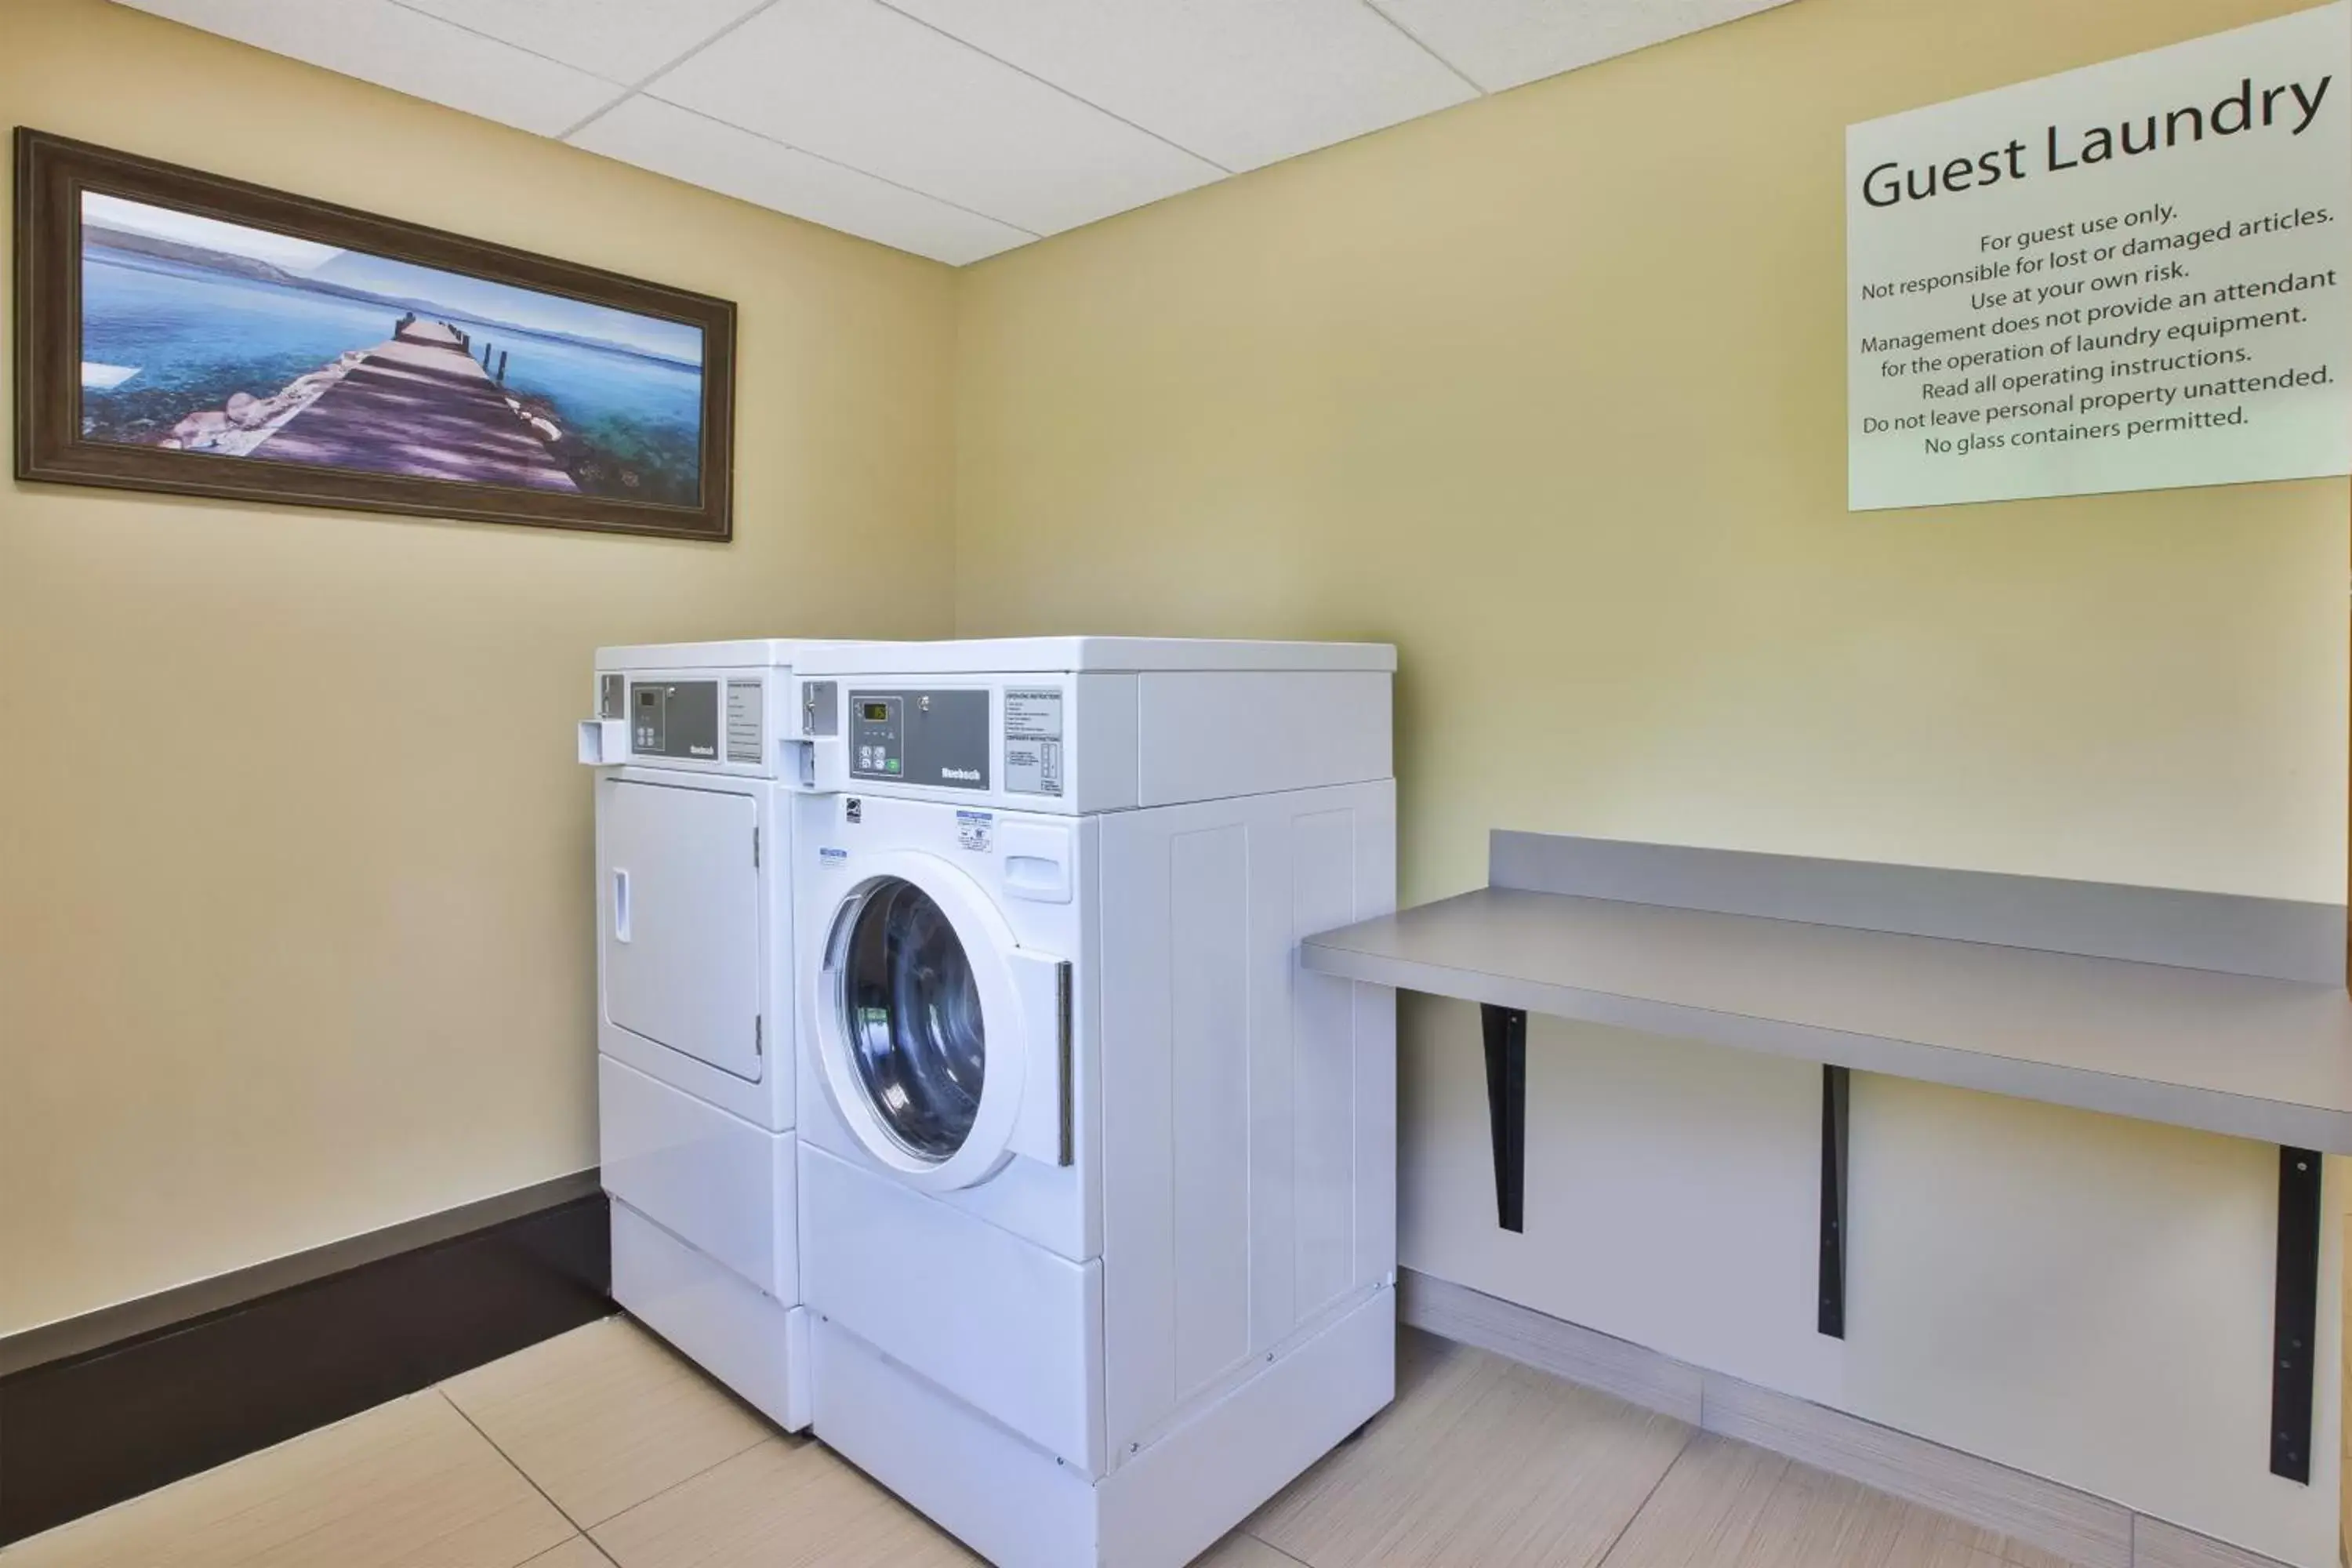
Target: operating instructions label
[1033, 741]
[2133, 276]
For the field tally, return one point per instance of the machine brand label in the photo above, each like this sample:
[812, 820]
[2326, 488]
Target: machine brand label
[976, 830]
[961, 775]
[832, 860]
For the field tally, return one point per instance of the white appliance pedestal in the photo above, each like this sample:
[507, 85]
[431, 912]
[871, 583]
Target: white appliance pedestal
[746, 1339]
[1160, 1506]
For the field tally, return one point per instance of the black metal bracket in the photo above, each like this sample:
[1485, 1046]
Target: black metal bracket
[2296, 1330]
[1837, 1098]
[1505, 1030]
[2296, 1335]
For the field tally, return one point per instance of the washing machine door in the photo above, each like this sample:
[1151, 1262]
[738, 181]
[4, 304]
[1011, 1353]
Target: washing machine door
[944, 1043]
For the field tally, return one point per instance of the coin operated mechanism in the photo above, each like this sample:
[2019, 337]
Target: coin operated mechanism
[604, 740]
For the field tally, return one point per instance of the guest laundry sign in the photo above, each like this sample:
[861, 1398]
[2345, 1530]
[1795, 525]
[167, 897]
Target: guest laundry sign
[2133, 276]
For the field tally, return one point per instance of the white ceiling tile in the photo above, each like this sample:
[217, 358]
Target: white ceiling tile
[1034, 117]
[687, 146]
[407, 51]
[623, 40]
[865, 85]
[1242, 82]
[1503, 43]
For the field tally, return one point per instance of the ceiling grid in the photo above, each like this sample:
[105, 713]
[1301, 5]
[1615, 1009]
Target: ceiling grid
[953, 129]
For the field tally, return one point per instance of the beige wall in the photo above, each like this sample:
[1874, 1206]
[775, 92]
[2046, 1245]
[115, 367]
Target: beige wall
[1550, 391]
[1547, 390]
[295, 937]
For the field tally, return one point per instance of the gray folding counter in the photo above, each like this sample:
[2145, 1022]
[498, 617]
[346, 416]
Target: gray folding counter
[2224, 1014]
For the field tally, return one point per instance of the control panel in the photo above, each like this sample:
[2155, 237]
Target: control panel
[702, 719]
[879, 733]
[936, 737]
[674, 719]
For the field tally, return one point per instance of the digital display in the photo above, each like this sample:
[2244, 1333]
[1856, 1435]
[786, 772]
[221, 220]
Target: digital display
[874, 712]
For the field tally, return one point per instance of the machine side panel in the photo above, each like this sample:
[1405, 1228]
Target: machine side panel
[1105, 765]
[1210, 735]
[1374, 1009]
[1136, 1012]
[1324, 1058]
[1213, 987]
[1249, 1111]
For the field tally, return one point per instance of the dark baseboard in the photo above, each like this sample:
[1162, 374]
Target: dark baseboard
[87, 1430]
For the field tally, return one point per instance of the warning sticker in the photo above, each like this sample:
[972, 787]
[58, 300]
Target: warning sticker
[976, 830]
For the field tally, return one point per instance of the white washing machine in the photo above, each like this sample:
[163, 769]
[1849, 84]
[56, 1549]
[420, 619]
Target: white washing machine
[699, 750]
[1098, 1188]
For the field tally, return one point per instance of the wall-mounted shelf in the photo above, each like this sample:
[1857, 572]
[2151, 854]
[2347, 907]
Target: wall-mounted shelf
[2227, 1014]
[2243, 1055]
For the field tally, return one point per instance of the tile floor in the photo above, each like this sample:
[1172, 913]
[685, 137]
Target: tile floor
[602, 1448]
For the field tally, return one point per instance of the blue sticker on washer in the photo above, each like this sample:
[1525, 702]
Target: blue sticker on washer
[976, 830]
[830, 858]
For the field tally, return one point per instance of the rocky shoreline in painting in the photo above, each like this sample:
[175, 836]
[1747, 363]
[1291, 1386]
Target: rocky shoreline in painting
[248, 421]
[245, 422]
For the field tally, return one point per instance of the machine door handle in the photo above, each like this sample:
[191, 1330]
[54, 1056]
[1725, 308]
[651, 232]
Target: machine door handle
[1064, 1049]
[620, 905]
[1044, 1126]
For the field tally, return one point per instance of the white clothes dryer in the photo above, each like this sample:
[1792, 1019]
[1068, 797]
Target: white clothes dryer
[700, 751]
[1098, 1188]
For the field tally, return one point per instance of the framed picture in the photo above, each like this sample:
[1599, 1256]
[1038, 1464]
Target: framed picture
[183, 332]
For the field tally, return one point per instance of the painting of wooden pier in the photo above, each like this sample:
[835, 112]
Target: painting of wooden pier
[419, 403]
[327, 356]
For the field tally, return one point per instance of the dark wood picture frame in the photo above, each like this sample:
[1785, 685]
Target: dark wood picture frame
[52, 175]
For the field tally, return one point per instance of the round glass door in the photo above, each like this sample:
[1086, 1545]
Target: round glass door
[910, 1013]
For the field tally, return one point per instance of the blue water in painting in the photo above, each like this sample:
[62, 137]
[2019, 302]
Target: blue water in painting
[196, 336]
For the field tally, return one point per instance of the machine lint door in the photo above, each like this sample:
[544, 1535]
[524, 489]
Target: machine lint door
[681, 915]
